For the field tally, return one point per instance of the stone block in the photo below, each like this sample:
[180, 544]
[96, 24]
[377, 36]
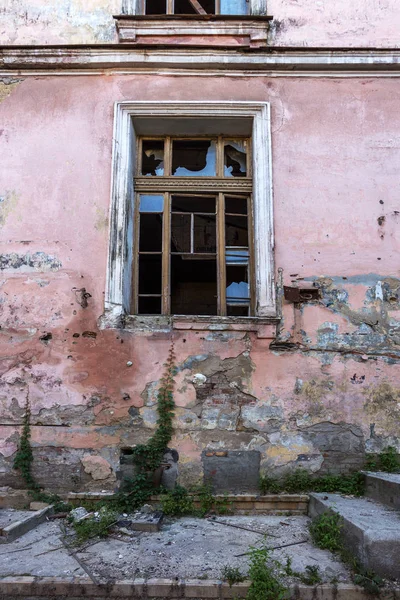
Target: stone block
[165, 588]
[383, 487]
[237, 590]
[202, 589]
[18, 528]
[238, 471]
[38, 505]
[123, 588]
[370, 530]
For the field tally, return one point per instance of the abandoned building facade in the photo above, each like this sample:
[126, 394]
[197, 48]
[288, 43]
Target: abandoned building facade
[217, 174]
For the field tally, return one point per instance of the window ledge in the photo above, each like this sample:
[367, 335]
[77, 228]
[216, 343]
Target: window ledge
[264, 327]
[194, 30]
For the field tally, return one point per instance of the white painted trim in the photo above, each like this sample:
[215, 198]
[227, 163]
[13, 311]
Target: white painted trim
[118, 283]
[201, 59]
[130, 29]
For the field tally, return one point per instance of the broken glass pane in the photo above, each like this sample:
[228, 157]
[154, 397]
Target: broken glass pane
[193, 157]
[205, 235]
[150, 235]
[149, 305]
[153, 204]
[236, 231]
[237, 256]
[235, 158]
[237, 286]
[153, 157]
[180, 233]
[156, 7]
[193, 286]
[150, 274]
[234, 7]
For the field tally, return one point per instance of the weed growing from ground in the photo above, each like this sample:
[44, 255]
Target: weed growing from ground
[311, 576]
[265, 581]
[300, 481]
[177, 502]
[94, 526]
[326, 531]
[370, 581]
[232, 575]
[388, 461]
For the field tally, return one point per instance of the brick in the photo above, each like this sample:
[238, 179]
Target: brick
[38, 505]
[266, 505]
[244, 498]
[202, 589]
[243, 505]
[165, 588]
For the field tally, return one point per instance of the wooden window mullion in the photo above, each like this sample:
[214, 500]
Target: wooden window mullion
[251, 266]
[167, 156]
[166, 252]
[221, 262]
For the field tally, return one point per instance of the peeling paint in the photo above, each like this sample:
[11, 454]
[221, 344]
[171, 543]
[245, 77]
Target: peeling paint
[38, 261]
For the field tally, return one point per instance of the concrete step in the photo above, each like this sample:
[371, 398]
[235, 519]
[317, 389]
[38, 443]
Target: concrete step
[383, 487]
[370, 530]
[22, 523]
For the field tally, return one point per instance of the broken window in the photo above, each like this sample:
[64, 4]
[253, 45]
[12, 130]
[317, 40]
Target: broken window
[193, 7]
[193, 235]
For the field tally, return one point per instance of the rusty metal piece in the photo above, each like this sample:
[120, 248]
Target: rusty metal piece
[297, 294]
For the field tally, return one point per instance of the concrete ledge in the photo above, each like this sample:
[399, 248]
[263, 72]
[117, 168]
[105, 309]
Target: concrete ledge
[383, 487]
[296, 504]
[18, 528]
[35, 588]
[370, 530]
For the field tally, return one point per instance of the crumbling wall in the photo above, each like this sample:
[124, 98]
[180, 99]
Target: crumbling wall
[319, 394]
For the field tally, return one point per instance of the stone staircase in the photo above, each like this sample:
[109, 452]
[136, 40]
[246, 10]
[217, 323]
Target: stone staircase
[371, 525]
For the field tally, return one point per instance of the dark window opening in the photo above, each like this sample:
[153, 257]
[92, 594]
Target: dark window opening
[193, 286]
[149, 305]
[156, 7]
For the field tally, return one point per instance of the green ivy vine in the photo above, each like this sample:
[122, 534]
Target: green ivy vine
[147, 457]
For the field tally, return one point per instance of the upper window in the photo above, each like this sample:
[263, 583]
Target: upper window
[193, 7]
[193, 227]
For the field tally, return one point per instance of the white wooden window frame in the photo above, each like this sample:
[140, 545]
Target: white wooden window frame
[120, 252]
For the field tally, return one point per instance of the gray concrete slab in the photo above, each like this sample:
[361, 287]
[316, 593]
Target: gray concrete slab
[14, 524]
[383, 487]
[370, 530]
[187, 548]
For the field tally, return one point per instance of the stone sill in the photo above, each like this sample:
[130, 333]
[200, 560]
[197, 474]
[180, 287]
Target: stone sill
[264, 327]
[75, 588]
[202, 30]
[270, 503]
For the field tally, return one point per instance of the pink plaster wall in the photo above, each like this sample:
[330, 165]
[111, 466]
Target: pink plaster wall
[335, 172]
[358, 23]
